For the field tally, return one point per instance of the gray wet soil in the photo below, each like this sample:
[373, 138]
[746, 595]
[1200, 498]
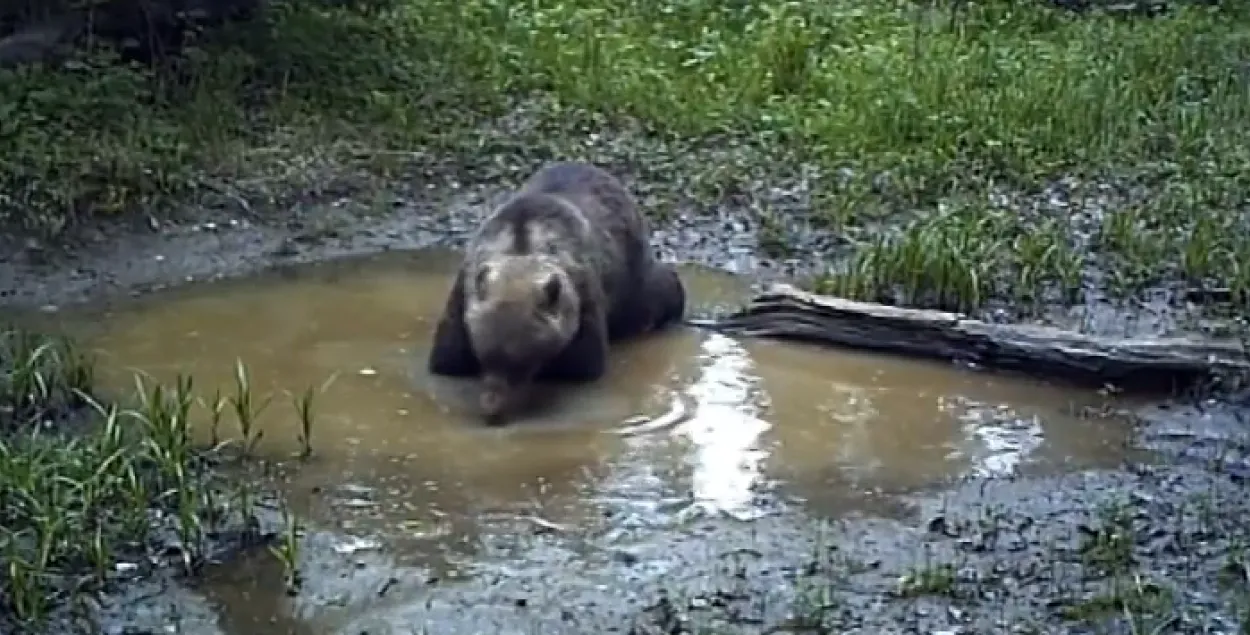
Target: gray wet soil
[707, 482]
[708, 486]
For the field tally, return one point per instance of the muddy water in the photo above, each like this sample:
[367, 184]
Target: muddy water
[686, 423]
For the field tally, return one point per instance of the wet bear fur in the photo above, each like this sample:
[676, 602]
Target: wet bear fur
[551, 278]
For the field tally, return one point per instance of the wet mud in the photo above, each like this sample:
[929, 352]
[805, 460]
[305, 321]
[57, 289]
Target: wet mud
[708, 485]
[694, 446]
[1004, 556]
[108, 261]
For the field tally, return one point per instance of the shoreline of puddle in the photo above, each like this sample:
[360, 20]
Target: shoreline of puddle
[701, 569]
[691, 433]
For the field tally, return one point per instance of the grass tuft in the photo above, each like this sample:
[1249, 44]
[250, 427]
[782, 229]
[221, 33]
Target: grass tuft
[960, 258]
[44, 377]
[127, 493]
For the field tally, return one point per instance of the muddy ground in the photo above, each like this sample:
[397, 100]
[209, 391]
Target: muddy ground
[1146, 549]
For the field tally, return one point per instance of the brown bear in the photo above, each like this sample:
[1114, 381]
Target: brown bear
[550, 278]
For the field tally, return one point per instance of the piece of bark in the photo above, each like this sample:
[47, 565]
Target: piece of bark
[1138, 364]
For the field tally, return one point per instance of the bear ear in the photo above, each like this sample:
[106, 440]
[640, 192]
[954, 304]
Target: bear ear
[552, 288]
[479, 282]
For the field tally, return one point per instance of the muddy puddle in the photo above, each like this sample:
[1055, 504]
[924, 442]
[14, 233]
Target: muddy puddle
[687, 423]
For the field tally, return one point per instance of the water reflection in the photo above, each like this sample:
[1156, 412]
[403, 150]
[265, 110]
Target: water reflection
[997, 440]
[726, 431]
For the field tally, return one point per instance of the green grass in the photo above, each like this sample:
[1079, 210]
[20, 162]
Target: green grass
[121, 494]
[928, 110]
[958, 259]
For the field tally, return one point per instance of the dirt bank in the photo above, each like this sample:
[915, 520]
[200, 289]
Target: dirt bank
[116, 260]
[1146, 549]
[106, 259]
[1027, 556]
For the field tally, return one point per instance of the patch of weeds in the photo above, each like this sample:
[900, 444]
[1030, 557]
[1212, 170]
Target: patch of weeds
[1108, 547]
[936, 579]
[123, 494]
[817, 606]
[247, 409]
[1145, 607]
[1007, 88]
[816, 609]
[94, 138]
[249, 109]
[774, 236]
[1234, 576]
[958, 260]
[287, 552]
[304, 411]
[42, 378]
[1235, 573]
[1194, 233]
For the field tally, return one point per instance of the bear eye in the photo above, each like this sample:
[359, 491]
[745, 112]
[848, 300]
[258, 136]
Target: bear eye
[551, 292]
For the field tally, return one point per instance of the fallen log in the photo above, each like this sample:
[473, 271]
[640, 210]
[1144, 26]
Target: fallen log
[1132, 365]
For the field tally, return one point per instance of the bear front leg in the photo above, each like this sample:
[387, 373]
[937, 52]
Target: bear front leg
[452, 353]
[658, 299]
[585, 359]
[666, 294]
